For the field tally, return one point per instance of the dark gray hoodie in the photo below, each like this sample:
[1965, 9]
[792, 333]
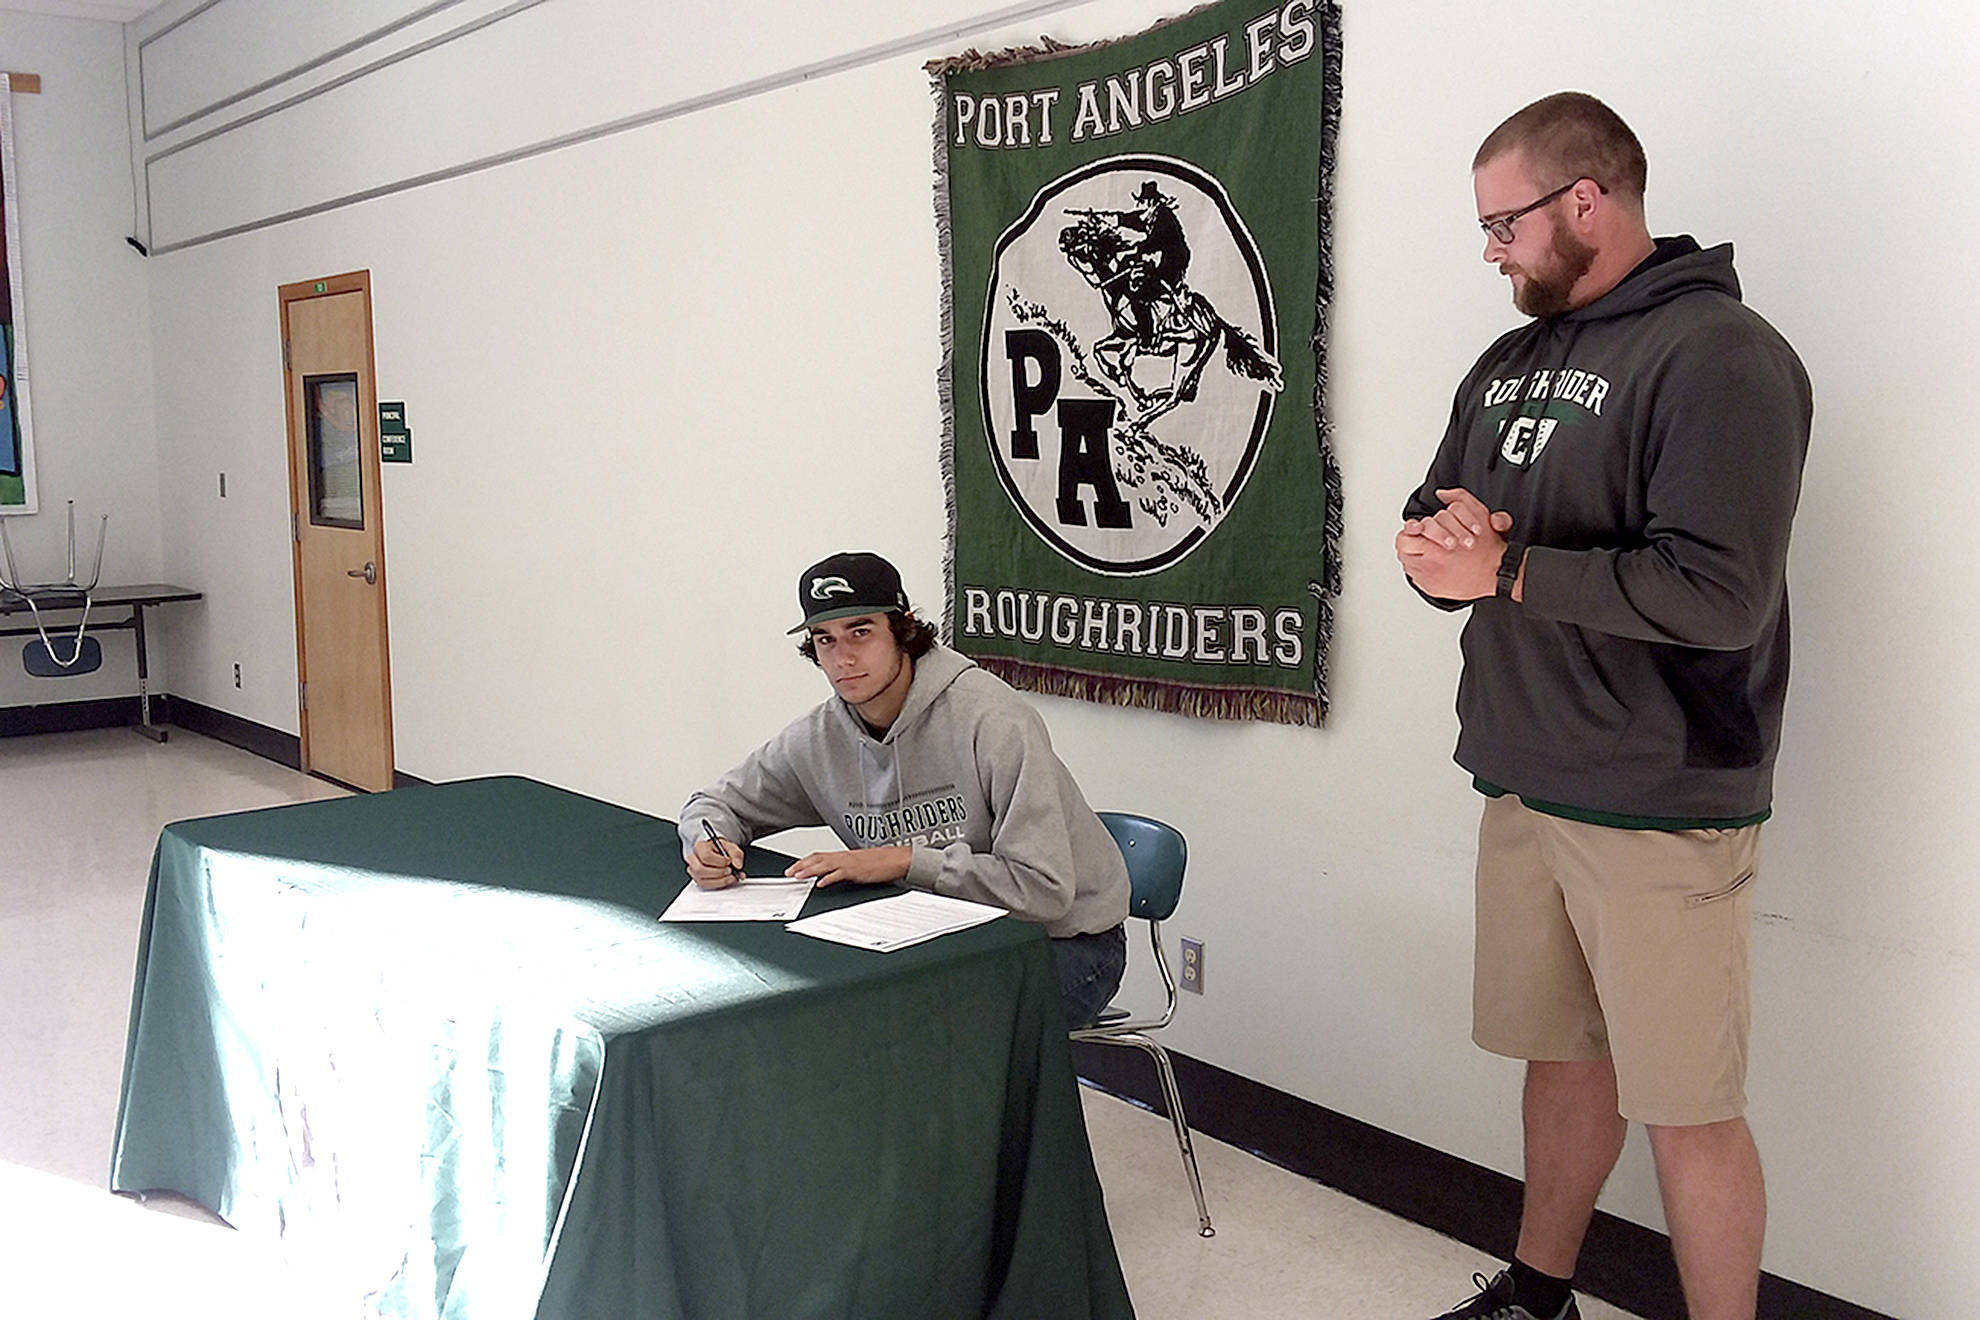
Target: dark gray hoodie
[966, 775]
[1649, 448]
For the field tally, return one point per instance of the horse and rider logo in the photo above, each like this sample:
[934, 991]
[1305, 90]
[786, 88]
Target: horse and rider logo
[1110, 299]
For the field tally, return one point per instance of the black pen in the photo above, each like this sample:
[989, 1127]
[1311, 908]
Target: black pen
[716, 839]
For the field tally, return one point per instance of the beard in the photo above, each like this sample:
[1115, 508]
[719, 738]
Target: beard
[1549, 283]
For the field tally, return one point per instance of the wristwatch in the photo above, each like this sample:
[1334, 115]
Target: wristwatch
[1509, 568]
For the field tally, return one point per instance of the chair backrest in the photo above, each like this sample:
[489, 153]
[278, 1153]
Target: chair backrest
[1156, 855]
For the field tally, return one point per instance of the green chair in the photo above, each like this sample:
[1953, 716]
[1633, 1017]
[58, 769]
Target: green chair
[1156, 855]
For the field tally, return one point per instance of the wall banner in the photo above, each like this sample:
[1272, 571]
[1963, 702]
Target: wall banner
[16, 442]
[1143, 503]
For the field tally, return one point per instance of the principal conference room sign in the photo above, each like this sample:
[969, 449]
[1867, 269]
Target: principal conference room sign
[1144, 508]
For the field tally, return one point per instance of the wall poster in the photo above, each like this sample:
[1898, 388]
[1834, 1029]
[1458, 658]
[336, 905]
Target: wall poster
[1144, 508]
[16, 440]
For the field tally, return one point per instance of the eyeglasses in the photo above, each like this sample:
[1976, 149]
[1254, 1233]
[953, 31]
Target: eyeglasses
[1501, 227]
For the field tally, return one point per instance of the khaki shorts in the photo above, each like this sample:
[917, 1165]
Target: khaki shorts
[1632, 944]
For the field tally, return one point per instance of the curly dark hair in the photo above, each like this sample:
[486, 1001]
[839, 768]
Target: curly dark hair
[914, 637]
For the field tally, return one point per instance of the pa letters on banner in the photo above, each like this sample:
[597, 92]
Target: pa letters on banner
[1143, 503]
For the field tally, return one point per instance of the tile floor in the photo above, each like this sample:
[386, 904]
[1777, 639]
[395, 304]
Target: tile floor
[82, 812]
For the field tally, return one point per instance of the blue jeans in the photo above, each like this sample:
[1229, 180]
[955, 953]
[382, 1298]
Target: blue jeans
[1090, 968]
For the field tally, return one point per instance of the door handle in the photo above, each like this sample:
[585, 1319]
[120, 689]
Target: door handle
[369, 573]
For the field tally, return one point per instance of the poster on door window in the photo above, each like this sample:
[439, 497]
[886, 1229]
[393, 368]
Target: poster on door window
[16, 440]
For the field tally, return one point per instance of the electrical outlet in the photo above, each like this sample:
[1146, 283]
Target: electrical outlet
[237, 675]
[1192, 965]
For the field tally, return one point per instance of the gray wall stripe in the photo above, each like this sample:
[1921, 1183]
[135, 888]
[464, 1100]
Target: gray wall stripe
[706, 101]
[266, 83]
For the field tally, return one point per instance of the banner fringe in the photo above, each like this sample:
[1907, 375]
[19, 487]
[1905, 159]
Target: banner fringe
[1048, 47]
[1326, 591]
[1152, 694]
[945, 370]
[975, 61]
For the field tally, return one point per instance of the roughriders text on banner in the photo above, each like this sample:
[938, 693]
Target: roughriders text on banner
[1201, 634]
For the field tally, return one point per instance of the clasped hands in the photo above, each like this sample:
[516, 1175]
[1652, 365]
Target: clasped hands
[1454, 554]
[716, 869]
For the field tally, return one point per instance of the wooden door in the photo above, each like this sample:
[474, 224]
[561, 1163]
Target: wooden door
[343, 667]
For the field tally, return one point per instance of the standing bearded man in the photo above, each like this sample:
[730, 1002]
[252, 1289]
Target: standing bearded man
[1612, 501]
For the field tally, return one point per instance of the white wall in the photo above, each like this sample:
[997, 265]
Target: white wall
[652, 375]
[85, 297]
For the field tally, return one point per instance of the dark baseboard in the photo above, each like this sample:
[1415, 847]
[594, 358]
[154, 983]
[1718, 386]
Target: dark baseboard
[1622, 1263]
[117, 712]
[282, 748]
[75, 716]
[270, 744]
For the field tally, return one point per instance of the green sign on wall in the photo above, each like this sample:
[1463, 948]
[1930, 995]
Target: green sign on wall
[394, 436]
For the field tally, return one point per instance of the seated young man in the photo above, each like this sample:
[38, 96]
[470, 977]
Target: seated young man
[934, 773]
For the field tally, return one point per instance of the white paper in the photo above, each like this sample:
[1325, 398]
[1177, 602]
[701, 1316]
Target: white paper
[886, 924]
[765, 899]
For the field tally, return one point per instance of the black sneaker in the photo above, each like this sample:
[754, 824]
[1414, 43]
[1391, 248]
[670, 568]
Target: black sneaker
[1495, 1302]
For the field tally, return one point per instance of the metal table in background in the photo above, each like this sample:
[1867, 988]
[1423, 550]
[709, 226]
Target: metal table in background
[435, 1039]
[136, 598]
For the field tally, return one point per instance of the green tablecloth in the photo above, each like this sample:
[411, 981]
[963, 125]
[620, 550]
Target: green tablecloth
[436, 1039]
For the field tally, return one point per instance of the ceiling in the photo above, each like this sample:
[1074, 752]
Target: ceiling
[108, 11]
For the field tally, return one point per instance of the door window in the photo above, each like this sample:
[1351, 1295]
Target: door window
[336, 495]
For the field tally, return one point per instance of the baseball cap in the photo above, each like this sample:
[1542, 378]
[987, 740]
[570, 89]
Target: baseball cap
[846, 584]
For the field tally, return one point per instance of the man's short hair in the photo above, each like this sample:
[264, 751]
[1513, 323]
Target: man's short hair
[1569, 136]
[913, 636]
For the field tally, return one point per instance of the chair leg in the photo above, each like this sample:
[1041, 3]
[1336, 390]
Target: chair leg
[1173, 1098]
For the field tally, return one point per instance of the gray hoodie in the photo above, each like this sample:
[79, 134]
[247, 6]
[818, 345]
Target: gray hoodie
[966, 776]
